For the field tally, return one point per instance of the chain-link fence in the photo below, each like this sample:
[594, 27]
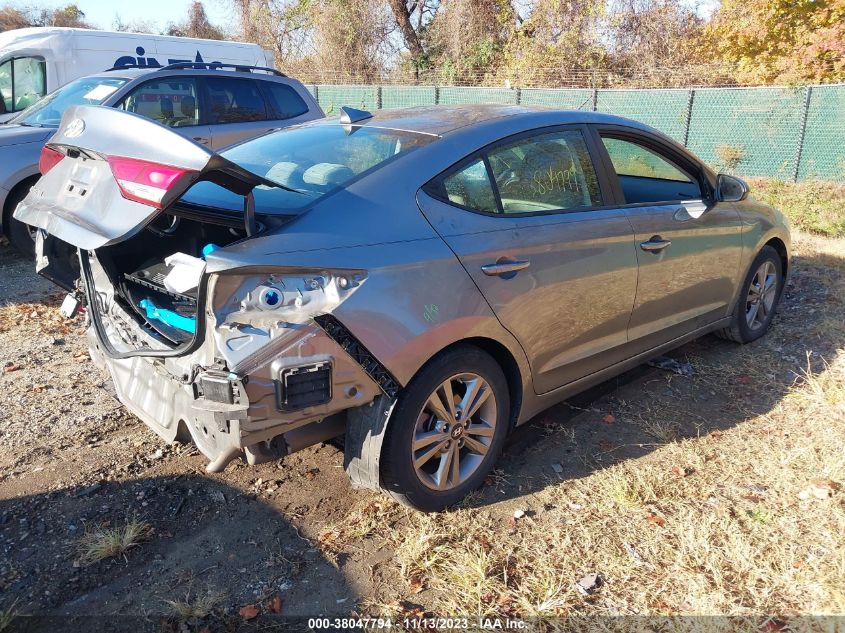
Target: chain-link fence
[777, 132]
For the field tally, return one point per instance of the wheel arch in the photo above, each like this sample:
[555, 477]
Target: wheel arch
[779, 245]
[26, 183]
[506, 361]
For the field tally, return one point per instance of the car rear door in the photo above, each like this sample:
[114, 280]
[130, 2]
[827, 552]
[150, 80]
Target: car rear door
[528, 219]
[688, 245]
[172, 101]
[236, 109]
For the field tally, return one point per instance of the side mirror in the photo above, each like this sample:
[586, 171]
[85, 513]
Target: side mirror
[730, 188]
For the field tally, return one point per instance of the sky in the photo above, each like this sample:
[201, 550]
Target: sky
[101, 13]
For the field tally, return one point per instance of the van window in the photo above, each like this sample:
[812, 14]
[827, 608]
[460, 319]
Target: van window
[284, 102]
[171, 102]
[22, 83]
[234, 101]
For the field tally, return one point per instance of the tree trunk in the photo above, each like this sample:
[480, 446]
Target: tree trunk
[403, 19]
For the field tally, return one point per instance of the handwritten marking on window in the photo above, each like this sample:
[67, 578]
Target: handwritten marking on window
[550, 180]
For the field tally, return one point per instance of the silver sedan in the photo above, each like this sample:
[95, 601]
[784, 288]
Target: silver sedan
[420, 280]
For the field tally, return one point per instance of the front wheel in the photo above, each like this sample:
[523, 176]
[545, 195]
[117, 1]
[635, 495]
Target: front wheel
[760, 295]
[446, 430]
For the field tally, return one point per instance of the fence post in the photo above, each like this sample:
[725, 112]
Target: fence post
[316, 93]
[436, 95]
[801, 133]
[519, 96]
[595, 99]
[378, 97]
[688, 117]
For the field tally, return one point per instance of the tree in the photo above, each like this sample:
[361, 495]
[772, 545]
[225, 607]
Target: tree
[649, 34]
[14, 18]
[196, 25]
[782, 41]
[557, 42]
[466, 38]
[69, 16]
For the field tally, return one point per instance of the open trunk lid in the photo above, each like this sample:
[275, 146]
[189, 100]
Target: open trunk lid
[108, 173]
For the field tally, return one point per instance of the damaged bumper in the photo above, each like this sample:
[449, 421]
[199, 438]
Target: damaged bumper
[256, 390]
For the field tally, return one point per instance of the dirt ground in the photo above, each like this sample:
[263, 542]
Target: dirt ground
[293, 531]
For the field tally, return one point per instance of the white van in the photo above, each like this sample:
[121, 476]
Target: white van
[36, 61]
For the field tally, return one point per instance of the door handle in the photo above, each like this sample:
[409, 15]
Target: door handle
[503, 267]
[655, 244]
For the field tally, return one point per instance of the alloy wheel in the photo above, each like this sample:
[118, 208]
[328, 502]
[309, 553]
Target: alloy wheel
[761, 296]
[454, 431]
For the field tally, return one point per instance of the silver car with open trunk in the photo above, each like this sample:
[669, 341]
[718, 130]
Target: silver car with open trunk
[420, 280]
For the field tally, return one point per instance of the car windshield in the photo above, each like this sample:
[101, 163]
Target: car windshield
[308, 162]
[47, 112]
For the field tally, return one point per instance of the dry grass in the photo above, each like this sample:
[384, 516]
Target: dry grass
[7, 615]
[813, 206]
[101, 543]
[195, 605]
[713, 523]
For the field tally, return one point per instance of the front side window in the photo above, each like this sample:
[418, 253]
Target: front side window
[29, 85]
[171, 101]
[284, 102]
[234, 101]
[47, 112]
[543, 173]
[22, 83]
[646, 176]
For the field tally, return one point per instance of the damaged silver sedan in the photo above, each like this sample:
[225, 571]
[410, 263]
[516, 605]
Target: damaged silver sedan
[419, 280]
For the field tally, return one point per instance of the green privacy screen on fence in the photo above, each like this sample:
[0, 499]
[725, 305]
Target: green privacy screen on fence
[779, 132]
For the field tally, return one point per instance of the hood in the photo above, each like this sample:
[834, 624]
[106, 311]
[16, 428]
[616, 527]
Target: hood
[14, 134]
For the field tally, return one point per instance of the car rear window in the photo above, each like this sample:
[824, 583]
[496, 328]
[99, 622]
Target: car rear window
[312, 161]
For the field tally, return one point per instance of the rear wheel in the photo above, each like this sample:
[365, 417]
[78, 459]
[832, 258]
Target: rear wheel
[21, 236]
[760, 295]
[446, 430]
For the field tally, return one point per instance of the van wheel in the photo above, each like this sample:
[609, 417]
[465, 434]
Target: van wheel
[21, 236]
[446, 430]
[761, 292]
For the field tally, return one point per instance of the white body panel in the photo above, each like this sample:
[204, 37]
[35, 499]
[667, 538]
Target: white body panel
[72, 53]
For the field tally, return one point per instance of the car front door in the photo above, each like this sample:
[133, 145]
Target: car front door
[528, 220]
[236, 109]
[688, 246]
[172, 101]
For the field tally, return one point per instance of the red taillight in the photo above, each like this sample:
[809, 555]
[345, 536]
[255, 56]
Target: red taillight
[49, 159]
[143, 181]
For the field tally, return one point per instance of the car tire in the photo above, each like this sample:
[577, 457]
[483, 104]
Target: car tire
[436, 483]
[754, 310]
[18, 233]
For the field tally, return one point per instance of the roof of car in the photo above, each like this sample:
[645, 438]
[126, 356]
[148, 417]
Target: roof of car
[134, 73]
[442, 119]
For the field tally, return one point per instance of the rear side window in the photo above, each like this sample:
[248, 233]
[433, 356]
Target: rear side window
[234, 101]
[470, 187]
[284, 103]
[537, 174]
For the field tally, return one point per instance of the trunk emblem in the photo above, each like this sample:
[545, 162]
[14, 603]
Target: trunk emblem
[74, 128]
